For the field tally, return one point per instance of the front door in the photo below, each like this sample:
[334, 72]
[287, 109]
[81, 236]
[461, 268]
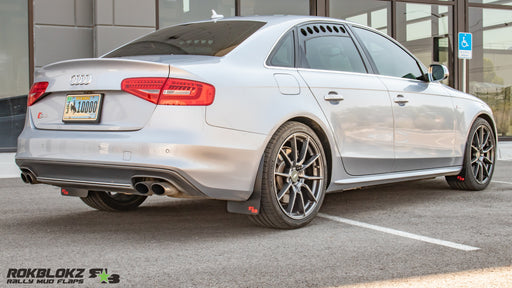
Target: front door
[424, 124]
[424, 116]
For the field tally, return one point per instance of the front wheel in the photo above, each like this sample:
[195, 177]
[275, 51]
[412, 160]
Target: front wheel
[107, 201]
[479, 159]
[294, 178]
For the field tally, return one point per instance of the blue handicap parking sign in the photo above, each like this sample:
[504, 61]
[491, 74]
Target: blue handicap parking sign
[465, 45]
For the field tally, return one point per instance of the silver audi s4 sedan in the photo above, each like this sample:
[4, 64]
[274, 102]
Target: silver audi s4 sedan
[268, 113]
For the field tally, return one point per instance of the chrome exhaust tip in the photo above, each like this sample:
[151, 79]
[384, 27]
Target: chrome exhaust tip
[28, 177]
[143, 187]
[24, 178]
[164, 188]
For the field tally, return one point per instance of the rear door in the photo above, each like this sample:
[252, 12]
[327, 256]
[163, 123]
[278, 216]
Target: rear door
[355, 103]
[423, 111]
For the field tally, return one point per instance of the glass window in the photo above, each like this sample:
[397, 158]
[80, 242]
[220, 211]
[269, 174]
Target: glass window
[208, 38]
[496, 2]
[272, 7]
[490, 70]
[173, 12]
[372, 13]
[14, 70]
[284, 55]
[333, 53]
[426, 30]
[389, 58]
[5, 109]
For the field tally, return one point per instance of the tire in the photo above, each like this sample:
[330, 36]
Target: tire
[294, 178]
[107, 201]
[479, 159]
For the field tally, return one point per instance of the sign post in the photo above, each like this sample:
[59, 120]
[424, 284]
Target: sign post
[465, 52]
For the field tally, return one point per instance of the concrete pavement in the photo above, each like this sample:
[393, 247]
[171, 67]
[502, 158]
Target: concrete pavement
[8, 168]
[196, 243]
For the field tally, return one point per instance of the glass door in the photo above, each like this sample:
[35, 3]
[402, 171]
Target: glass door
[427, 31]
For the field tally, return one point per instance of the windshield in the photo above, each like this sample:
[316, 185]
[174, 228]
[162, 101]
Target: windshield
[207, 38]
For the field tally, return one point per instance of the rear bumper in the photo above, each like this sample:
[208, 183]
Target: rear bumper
[106, 177]
[200, 160]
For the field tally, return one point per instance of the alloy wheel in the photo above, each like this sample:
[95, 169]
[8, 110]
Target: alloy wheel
[299, 174]
[482, 154]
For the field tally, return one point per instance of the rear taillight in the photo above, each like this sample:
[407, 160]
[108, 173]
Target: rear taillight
[170, 91]
[145, 88]
[186, 92]
[36, 91]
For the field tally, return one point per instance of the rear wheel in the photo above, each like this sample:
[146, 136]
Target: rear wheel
[294, 178]
[107, 201]
[479, 159]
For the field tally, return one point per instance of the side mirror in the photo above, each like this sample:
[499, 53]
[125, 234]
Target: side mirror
[437, 72]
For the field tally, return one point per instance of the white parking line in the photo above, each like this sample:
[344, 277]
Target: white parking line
[399, 233]
[501, 182]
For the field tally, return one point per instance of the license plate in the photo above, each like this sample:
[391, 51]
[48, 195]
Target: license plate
[82, 108]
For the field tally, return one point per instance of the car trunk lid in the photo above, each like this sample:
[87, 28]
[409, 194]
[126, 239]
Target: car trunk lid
[71, 83]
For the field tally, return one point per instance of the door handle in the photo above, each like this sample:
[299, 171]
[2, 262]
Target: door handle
[333, 96]
[401, 100]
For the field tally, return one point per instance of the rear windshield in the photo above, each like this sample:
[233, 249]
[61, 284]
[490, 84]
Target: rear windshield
[208, 38]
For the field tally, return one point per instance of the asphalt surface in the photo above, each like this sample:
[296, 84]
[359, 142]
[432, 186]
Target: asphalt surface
[195, 243]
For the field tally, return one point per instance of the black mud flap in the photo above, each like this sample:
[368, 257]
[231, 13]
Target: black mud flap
[252, 205]
[67, 191]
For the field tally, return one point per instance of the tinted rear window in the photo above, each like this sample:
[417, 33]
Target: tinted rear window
[209, 38]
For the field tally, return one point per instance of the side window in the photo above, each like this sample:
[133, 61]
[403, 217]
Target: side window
[284, 53]
[337, 53]
[390, 59]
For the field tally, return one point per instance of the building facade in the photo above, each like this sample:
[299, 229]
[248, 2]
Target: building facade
[34, 33]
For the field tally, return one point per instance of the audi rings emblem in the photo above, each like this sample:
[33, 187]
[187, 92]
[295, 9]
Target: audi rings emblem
[81, 79]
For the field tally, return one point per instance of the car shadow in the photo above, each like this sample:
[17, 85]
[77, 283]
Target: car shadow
[177, 220]
[387, 197]
[170, 221]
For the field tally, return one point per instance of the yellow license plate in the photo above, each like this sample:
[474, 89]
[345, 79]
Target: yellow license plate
[82, 108]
